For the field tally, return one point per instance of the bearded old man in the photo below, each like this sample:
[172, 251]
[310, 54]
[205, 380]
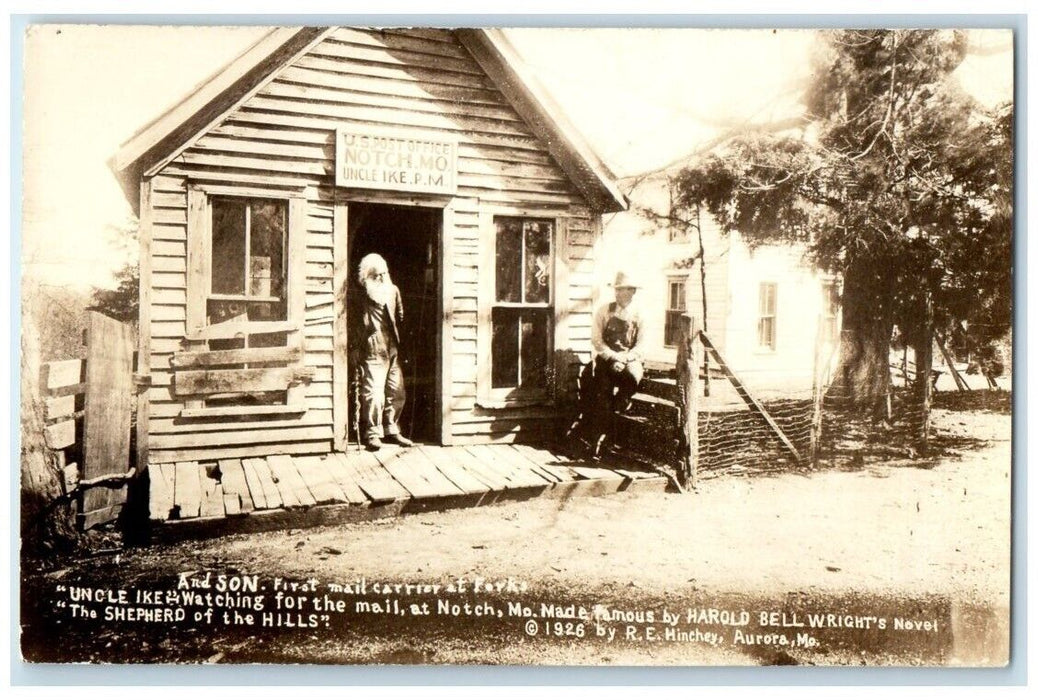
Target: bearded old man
[374, 341]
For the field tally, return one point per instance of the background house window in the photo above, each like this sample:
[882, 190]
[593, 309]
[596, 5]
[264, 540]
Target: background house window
[766, 316]
[522, 312]
[677, 232]
[675, 308]
[830, 311]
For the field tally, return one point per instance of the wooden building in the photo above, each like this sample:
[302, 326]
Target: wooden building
[771, 312]
[259, 192]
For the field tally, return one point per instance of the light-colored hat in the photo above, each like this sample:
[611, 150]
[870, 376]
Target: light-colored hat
[625, 279]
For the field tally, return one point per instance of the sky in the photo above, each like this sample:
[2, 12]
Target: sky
[642, 98]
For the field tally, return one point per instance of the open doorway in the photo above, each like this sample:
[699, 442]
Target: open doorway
[408, 238]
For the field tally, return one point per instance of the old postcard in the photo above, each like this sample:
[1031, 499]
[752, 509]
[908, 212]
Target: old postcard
[445, 345]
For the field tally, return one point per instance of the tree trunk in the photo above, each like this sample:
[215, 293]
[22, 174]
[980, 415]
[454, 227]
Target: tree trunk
[863, 370]
[44, 526]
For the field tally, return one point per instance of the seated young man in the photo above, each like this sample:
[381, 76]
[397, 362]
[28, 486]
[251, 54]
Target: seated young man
[618, 339]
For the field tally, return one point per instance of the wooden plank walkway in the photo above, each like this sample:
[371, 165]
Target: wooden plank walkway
[199, 499]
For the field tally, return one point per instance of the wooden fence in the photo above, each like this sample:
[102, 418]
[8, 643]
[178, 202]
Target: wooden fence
[88, 405]
[667, 413]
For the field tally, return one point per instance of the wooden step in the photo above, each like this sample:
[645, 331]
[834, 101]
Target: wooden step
[649, 400]
[660, 387]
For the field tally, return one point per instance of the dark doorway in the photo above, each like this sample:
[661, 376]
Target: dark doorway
[408, 238]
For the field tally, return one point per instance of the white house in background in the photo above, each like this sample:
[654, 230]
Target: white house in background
[766, 308]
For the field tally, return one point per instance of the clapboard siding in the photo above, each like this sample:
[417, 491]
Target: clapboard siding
[281, 141]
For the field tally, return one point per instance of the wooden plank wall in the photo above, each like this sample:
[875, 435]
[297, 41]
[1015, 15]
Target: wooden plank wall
[282, 139]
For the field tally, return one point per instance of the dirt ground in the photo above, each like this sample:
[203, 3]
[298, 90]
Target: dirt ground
[922, 540]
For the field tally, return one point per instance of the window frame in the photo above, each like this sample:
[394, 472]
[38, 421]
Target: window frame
[676, 235]
[198, 332]
[247, 296]
[487, 396]
[767, 344]
[668, 324]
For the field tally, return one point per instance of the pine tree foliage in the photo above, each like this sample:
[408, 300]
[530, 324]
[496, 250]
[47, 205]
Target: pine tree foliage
[898, 180]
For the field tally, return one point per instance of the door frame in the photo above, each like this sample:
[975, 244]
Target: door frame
[342, 269]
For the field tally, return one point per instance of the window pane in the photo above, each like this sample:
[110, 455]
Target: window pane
[222, 310]
[267, 254]
[767, 299]
[508, 255]
[228, 262]
[766, 332]
[504, 347]
[677, 296]
[268, 310]
[256, 398]
[534, 348]
[537, 273]
[227, 343]
[671, 328]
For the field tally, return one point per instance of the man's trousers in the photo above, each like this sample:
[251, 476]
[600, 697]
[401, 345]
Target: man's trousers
[382, 394]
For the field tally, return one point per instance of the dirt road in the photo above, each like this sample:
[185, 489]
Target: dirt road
[906, 542]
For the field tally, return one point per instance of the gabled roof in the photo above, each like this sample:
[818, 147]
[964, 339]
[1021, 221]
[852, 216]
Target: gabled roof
[160, 141]
[498, 58]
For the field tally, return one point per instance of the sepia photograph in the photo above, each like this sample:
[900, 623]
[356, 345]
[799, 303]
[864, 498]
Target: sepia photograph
[516, 346]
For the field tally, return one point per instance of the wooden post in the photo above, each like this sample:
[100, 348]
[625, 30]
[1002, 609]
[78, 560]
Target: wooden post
[445, 379]
[817, 390]
[143, 398]
[923, 364]
[341, 384]
[702, 293]
[687, 373]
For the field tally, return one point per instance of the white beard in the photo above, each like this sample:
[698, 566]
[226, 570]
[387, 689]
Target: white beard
[380, 292]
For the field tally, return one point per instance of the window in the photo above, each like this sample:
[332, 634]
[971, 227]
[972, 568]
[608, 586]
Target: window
[675, 308]
[830, 311]
[247, 281]
[244, 317]
[248, 260]
[521, 311]
[766, 316]
[676, 231]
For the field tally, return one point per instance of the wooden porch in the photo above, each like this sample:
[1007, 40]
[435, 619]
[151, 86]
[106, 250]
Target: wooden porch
[190, 499]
